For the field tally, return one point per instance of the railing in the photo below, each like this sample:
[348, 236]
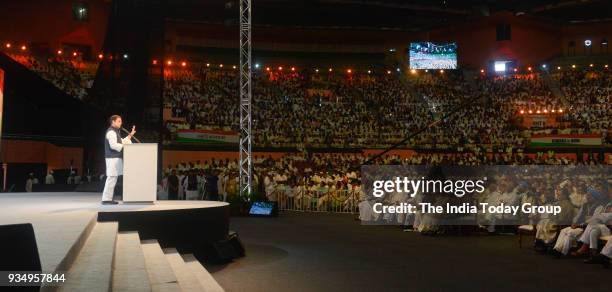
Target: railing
[315, 201]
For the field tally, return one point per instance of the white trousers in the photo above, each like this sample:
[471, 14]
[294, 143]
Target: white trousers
[567, 237]
[109, 188]
[607, 250]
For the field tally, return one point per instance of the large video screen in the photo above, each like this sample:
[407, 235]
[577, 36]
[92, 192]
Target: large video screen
[428, 55]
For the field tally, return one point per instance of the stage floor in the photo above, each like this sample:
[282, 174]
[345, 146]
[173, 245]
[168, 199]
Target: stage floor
[60, 218]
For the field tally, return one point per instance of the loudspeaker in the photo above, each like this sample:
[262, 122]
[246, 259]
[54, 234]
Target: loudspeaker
[229, 248]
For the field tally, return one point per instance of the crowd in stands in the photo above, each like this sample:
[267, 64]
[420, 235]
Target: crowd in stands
[292, 109]
[71, 75]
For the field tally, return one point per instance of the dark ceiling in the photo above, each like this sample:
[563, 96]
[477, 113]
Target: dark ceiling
[385, 14]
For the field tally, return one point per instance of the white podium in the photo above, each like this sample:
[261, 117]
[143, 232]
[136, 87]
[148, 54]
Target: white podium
[140, 173]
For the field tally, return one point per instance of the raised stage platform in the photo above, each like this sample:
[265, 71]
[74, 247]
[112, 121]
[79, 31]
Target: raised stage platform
[66, 225]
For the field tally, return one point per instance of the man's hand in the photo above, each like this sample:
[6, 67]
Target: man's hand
[133, 131]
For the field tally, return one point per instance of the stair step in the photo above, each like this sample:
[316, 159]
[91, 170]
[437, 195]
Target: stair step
[161, 276]
[130, 272]
[92, 268]
[186, 278]
[204, 277]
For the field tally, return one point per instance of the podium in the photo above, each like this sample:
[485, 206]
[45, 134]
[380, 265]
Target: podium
[140, 173]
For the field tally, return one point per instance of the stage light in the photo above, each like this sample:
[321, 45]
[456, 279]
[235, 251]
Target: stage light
[220, 65]
[604, 42]
[558, 67]
[441, 71]
[590, 65]
[481, 70]
[330, 69]
[59, 52]
[207, 64]
[100, 56]
[23, 48]
[515, 70]
[560, 110]
[573, 66]
[398, 69]
[552, 111]
[256, 65]
[183, 64]
[413, 71]
[169, 62]
[154, 62]
[426, 70]
[280, 68]
[8, 45]
[388, 71]
[369, 71]
[349, 71]
[545, 111]
[544, 66]
[587, 43]
[317, 70]
[125, 56]
[74, 54]
[267, 68]
[530, 111]
[234, 67]
[522, 112]
[538, 111]
[392, 50]
[529, 68]
[292, 68]
[606, 66]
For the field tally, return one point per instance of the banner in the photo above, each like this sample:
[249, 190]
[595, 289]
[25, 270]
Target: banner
[553, 140]
[207, 136]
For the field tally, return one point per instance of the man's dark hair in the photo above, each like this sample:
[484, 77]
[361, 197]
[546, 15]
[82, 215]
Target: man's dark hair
[113, 118]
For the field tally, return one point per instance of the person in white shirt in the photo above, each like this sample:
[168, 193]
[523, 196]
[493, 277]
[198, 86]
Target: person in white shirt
[113, 153]
[49, 179]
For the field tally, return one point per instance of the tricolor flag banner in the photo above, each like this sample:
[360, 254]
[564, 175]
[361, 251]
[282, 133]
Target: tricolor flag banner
[552, 140]
[207, 136]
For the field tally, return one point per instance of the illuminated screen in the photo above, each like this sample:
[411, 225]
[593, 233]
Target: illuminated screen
[428, 55]
[500, 66]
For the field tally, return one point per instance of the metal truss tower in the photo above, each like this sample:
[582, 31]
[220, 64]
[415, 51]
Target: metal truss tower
[245, 165]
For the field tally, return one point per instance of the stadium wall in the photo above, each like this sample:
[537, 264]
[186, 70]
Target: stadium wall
[29, 151]
[49, 24]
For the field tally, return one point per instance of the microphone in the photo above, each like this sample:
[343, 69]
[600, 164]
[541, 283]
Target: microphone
[128, 132]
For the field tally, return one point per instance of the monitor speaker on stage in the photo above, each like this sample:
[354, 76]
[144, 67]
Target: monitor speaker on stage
[264, 209]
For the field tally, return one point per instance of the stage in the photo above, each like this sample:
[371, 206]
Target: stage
[63, 222]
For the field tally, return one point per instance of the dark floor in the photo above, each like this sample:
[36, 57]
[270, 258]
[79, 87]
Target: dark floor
[331, 252]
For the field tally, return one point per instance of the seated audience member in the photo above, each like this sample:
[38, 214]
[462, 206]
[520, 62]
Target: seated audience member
[547, 228]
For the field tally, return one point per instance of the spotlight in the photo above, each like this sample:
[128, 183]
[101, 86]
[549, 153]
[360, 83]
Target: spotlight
[280, 68]
[587, 43]
[292, 68]
[413, 71]
[545, 111]
[220, 65]
[426, 70]
[100, 56]
[441, 71]
[349, 71]
[317, 70]
[573, 66]
[125, 56]
[74, 54]
[234, 67]
[330, 69]
[59, 52]
[398, 69]
[538, 111]
[544, 66]
[530, 111]
[369, 71]
[591, 65]
[529, 68]
[515, 70]
[207, 64]
[522, 112]
[606, 66]
[183, 63]
[169, 62]
[154, 62]
[560, 110]
[481, 70]
[552, 111]
[558, 67]
[23, 48]
[8, 45]
[256, 65]
[267, 68]
[388, 71]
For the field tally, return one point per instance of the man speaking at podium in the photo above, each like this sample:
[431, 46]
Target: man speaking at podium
[113, 154]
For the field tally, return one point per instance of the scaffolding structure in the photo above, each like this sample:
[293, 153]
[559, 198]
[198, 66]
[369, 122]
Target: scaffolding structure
[245, 165]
